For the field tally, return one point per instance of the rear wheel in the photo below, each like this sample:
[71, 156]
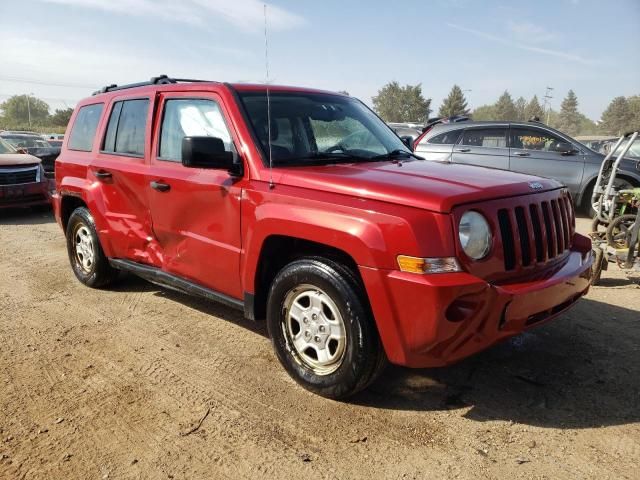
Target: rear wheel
[88, 261]
[321, 328]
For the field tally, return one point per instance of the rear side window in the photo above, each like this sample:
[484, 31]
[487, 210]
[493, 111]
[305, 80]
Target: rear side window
[485, 137]
[126, 129]
[84, 128]
[447, 138]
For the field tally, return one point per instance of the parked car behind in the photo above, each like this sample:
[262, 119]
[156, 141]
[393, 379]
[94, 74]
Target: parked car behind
[634, 149]
[526, 147]
[403, 131]
[35, 145]
[22, 179]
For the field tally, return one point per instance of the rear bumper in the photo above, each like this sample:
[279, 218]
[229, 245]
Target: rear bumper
[436, 320]
[25, 195]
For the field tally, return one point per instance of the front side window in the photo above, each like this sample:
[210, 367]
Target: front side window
[485, 137]
[311, 128]
[126, 130]
[190, 118]
[534, 139]
[447, 138]
[84, 128]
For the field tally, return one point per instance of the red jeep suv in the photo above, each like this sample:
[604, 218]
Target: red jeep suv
[303, 208]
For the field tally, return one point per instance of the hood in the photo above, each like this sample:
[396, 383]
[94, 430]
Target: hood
[15, 159]
[630, 164]
[422, 184]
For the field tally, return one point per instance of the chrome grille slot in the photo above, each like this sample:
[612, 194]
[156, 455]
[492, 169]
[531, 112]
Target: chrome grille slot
[533, 233]
[18, 176]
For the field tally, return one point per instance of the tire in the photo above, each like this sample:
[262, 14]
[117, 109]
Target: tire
[88, 261]
[596, 267]
[308, 295]
[619, 231]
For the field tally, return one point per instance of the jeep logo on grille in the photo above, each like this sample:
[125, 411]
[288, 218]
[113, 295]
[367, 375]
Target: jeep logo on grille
[535, 185]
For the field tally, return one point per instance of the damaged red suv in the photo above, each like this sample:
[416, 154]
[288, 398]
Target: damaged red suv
[302, 208]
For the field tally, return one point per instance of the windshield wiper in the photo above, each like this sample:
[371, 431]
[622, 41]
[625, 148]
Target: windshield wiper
[396, 154]
[342, 156]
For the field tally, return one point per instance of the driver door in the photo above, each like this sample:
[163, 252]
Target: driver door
[538, 152]
[195, 211]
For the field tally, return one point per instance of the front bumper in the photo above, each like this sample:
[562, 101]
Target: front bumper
[25, 195]
[436, 320]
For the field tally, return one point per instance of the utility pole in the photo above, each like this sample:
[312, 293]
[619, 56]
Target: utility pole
[467, 90]
[547, 104]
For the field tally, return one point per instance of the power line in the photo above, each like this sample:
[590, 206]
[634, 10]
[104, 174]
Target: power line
[46, 84]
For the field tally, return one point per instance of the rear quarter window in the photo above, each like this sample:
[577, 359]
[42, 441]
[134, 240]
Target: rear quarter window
[447, 138]
[84, 128]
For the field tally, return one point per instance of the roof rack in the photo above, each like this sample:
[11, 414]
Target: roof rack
[159, 80]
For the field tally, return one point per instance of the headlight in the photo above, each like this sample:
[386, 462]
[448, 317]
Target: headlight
[41, 174]
[475, 235]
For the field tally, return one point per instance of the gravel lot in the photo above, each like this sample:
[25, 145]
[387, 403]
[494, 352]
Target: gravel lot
[112, 384]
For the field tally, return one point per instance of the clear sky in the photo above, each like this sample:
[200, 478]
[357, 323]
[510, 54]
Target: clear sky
[60, 50]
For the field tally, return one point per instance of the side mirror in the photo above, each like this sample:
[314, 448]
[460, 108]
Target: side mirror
[565, 148]
[408, 141]
[208, 152]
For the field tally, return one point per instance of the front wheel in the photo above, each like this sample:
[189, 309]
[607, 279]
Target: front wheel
[321, 328]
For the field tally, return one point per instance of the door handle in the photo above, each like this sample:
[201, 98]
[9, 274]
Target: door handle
[463, 150]
[161, 187]
[103, 175]
[523, 154]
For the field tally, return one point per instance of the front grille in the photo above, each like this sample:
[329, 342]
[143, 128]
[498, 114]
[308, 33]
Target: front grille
[536, 232]
[17, 177]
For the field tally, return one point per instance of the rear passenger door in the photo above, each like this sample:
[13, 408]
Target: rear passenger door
[539, 152]
[484, 146]
[195, 211]
[120, 169]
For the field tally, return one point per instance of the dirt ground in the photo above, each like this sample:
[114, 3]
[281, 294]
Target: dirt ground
[112, 384]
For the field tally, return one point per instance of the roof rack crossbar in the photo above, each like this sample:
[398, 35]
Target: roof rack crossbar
[159, 80]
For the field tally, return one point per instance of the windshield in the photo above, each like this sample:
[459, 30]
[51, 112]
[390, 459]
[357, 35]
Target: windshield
[27, 142]
[5, 147]
[634, 149]
[312, 128]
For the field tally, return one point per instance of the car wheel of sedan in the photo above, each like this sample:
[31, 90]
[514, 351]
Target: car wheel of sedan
[87, 258]
[322, 329]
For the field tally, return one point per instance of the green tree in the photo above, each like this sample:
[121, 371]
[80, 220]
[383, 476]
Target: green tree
[521, 109]
[18, 108]
[569, 121]
[395, 103]
[617, 117]
[60, 117]
[587, 126]
[484, 112]
[505, 109]
[634, 112]
[454, 104]
[534, 109]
